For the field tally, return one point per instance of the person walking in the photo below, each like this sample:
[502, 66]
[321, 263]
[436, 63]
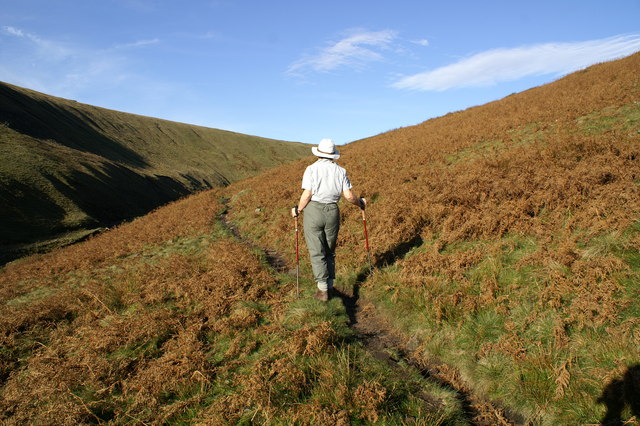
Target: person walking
[322, 184]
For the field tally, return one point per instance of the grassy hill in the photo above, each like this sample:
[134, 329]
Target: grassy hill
[67, 168]
[505, 243]
[505, 239]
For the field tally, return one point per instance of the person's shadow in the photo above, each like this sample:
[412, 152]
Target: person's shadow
[621, 393]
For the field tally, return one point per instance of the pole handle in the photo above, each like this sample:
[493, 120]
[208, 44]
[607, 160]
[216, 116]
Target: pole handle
[366, 234]
[297, 257]
[297, 243]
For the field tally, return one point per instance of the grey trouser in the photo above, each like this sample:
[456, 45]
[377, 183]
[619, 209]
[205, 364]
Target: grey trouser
[321, 226]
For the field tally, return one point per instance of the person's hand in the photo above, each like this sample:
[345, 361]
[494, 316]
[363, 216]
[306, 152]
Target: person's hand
[294, 212]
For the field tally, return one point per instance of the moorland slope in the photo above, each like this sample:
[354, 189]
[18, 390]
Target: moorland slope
[68, 168]
[505, 242]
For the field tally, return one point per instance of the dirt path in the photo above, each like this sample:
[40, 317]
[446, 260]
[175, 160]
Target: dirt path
[384, 342]
[275, 259]
[387, 344]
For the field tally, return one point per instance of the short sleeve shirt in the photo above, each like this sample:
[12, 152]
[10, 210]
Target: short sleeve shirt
[326, 181]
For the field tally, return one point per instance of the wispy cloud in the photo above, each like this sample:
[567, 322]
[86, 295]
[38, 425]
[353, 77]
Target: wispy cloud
[209, 35]
[14, 31]
[139, 43]
[422, 42]
[46, 47]
[499, 65]
[64, 69]
[354, 51]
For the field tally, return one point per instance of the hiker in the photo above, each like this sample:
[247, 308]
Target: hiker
[322, 184]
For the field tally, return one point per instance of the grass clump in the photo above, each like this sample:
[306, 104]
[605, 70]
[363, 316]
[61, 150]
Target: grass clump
[188, 325]
[522, 331]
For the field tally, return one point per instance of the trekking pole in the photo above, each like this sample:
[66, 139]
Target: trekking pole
[297, 257]
[366, 235]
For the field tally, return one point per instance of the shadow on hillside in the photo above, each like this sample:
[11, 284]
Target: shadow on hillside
[620, 394]
[44, 120]
[104, 196]
[350, 301]
[391, 256]
[26, 212]
[113, 193]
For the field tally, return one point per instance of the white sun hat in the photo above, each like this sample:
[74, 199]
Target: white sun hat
[326, 149]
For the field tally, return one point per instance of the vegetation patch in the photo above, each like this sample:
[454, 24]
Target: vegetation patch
[189, 325]
[504, 239]
[68, 169]
[513, 270]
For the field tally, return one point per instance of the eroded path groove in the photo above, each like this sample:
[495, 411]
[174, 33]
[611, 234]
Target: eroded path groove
[274, 259]
[386, 343]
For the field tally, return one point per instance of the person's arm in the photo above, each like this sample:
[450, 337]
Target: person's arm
[304, 200]
[350, 197]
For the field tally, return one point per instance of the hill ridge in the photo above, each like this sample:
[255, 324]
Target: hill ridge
[69, 168]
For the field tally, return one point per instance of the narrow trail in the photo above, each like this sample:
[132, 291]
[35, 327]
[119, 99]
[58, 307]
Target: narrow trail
[274, 259]
[383, 341]
[387, 344]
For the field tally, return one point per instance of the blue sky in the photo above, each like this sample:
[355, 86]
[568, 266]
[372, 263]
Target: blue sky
[304, 70]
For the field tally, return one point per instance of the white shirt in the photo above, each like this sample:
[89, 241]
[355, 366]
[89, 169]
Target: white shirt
[326, 181]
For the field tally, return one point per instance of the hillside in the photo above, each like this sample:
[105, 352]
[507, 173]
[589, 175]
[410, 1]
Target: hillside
[505, 239]
[69, 168]
[506, 285]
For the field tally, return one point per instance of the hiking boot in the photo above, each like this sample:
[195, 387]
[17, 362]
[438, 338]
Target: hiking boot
[322, 296]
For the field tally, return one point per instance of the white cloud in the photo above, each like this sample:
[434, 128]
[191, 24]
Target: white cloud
[498, 65]
[423, 42]
[13, 31]
[65, 69]
[45, 47]
[353, 51]
[139, 43]
[209, 35]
